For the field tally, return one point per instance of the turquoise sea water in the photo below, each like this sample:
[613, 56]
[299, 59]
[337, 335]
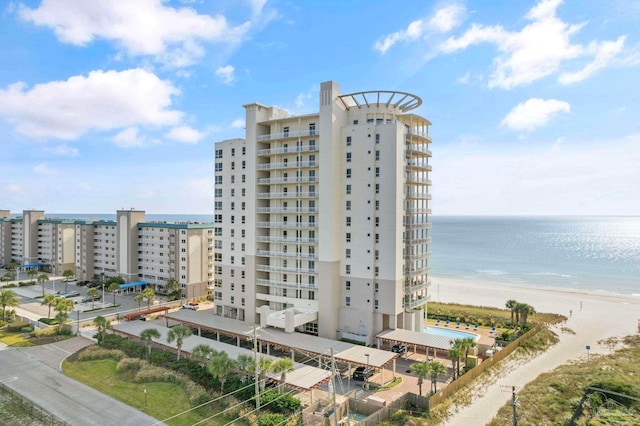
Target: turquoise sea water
[587, 253]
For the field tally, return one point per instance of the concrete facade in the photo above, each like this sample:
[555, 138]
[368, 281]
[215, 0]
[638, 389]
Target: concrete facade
[323, 218]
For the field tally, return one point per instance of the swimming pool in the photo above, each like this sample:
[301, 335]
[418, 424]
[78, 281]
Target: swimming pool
[452, 334]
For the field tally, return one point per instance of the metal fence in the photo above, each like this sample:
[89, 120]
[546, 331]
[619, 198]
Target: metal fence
[33, 410]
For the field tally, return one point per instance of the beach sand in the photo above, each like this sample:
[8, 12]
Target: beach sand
[594, 316]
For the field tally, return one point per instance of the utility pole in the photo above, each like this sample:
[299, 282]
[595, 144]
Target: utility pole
[255, 367]
[514, 404]
[333, 386]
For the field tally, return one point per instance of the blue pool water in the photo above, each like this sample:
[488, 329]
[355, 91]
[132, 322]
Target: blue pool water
[452, 334]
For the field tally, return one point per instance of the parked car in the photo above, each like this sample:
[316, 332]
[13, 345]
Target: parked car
[399, 349]
[191, 305]
[70, 280]
[83, 283]
[69, 294]
[362, 373]
[88, 299]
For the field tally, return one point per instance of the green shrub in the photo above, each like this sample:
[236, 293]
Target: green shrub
[149, 373]
[27, 329]
[16, 326]
[44, 332]
[621, 385]
[49, 321]
[271, 419]
[275, 401]
[129, 366]
[96, 352]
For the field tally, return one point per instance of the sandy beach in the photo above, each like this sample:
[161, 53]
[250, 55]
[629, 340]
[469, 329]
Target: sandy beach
[593, 316]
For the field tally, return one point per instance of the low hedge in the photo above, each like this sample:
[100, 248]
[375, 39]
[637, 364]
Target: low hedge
[17, 326]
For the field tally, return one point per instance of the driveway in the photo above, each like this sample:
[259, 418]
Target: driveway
[34, 372]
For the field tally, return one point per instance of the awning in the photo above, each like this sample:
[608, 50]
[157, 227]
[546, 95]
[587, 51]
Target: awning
[33, 265]
[135, 284]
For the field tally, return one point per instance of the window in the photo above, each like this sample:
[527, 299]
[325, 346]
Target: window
[348, 140]
[377, 171]
[233, 205]
[233, 152]
[233, 219]
[377, 155]
[218, 218]
[348, 269]
[378, 138]
[218, 167]
[348, 189]
[218, 232]
[347, 254]
[244, 150]
[233, 299]
[355, 122]
[242, 301]
[348, 205]
[218, 205]
[233, 192]
[348, 238]
[375, 304]
[244, 164]
[377, 270]
[377, 188]
[377, 221]
[218, 193]
[244, 219]
[244, 192]
[377, 204]
[312, 129]
[348, 157]
[348, 173]
[218, 153]
[232, 272]
[348, 220]
[347, 301]
[242, 288]
[244, 178]
[233, 260]
[233, 165]
[377, 287]
[233, 178]
[348, 285]
[243, 205]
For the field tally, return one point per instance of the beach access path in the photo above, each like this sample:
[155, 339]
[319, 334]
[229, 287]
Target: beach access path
[595, 316]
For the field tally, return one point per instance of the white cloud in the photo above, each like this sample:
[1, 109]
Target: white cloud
[129, 138]
[64, 151]
[442, 21]
[534, 113]
[604, 52]
[44, 169]
[238, 123]
[141, 28]
[185, 134]
[14, 188]
[465, 78]
[226, 74]
[100, 101]
[537, 50]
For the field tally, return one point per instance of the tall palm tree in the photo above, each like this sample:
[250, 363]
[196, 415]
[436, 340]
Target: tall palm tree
[421, 370]
[466, 344]
[282, 366]
[102, 324]
[203, 352]
[149, 294]
[435, 369]
[246, 365]
[147, 335]
[68, 273]
[172, 285]
[113, 287]
[42, 278]
[8, 298]
[32, 273]
[63, 307]
[456, 355]
[177, 333]
[49, 300]
[511, 305]
[525, 311]
[138, 298]
[264, 366]
[220, 365]
[93, 293]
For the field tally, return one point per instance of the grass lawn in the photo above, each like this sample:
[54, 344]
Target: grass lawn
[14, 339]
[486, 316]
[163, 399]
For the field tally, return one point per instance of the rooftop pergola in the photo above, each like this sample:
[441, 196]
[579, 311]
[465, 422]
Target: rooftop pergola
[387, 98]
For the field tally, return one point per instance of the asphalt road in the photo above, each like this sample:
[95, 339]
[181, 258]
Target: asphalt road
[33, 372]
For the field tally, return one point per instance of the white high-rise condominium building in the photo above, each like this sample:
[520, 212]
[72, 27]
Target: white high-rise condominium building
[322, 219]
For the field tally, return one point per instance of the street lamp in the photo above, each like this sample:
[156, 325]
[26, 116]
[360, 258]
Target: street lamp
[366, 373]
[145, 397]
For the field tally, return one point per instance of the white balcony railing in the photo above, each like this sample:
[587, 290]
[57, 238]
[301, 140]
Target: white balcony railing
[284, 135]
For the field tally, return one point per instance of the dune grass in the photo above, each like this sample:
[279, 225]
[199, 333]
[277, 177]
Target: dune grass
[163, 399]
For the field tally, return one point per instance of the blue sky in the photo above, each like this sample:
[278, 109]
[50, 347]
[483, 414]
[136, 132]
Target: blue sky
[108, 104]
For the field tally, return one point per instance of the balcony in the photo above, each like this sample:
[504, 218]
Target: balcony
[287, 165]
[419, 133]
[423, 225]
[421, 195]
[288, 225]
[419, 148]
[272, 268]
[419, 256]
[415, 210]
[418, 179]
[286, 284]
[290, 195]
[419, 271]
[287, 254]
[286, 210]
[287, 150]
[426, 240]
[270, 239]
[413, 304]
[419, 164]
[417, 287]
[285, 135]
[275, 180]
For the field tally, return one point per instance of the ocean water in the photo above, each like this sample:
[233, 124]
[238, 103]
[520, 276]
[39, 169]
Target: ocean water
[587, 253]
[202, 218]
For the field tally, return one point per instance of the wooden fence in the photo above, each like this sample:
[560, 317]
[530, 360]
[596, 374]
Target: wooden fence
[473, 374]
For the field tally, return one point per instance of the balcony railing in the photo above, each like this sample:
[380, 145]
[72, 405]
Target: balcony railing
[290, 134]
[271, 195]
[418, 256]
[286, 210]
[288, 149]
[287, 254]
[420, 164]
[272, 268]
[419, 148]
[418, 194]
[423, 225]
[419, 271]
[418, 302]
[288, 225]
[287, 165]
[409, 289]
[286, 284]
[270, 239]
[299, 179]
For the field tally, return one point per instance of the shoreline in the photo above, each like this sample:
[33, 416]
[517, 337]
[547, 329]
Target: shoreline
[543, 298]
